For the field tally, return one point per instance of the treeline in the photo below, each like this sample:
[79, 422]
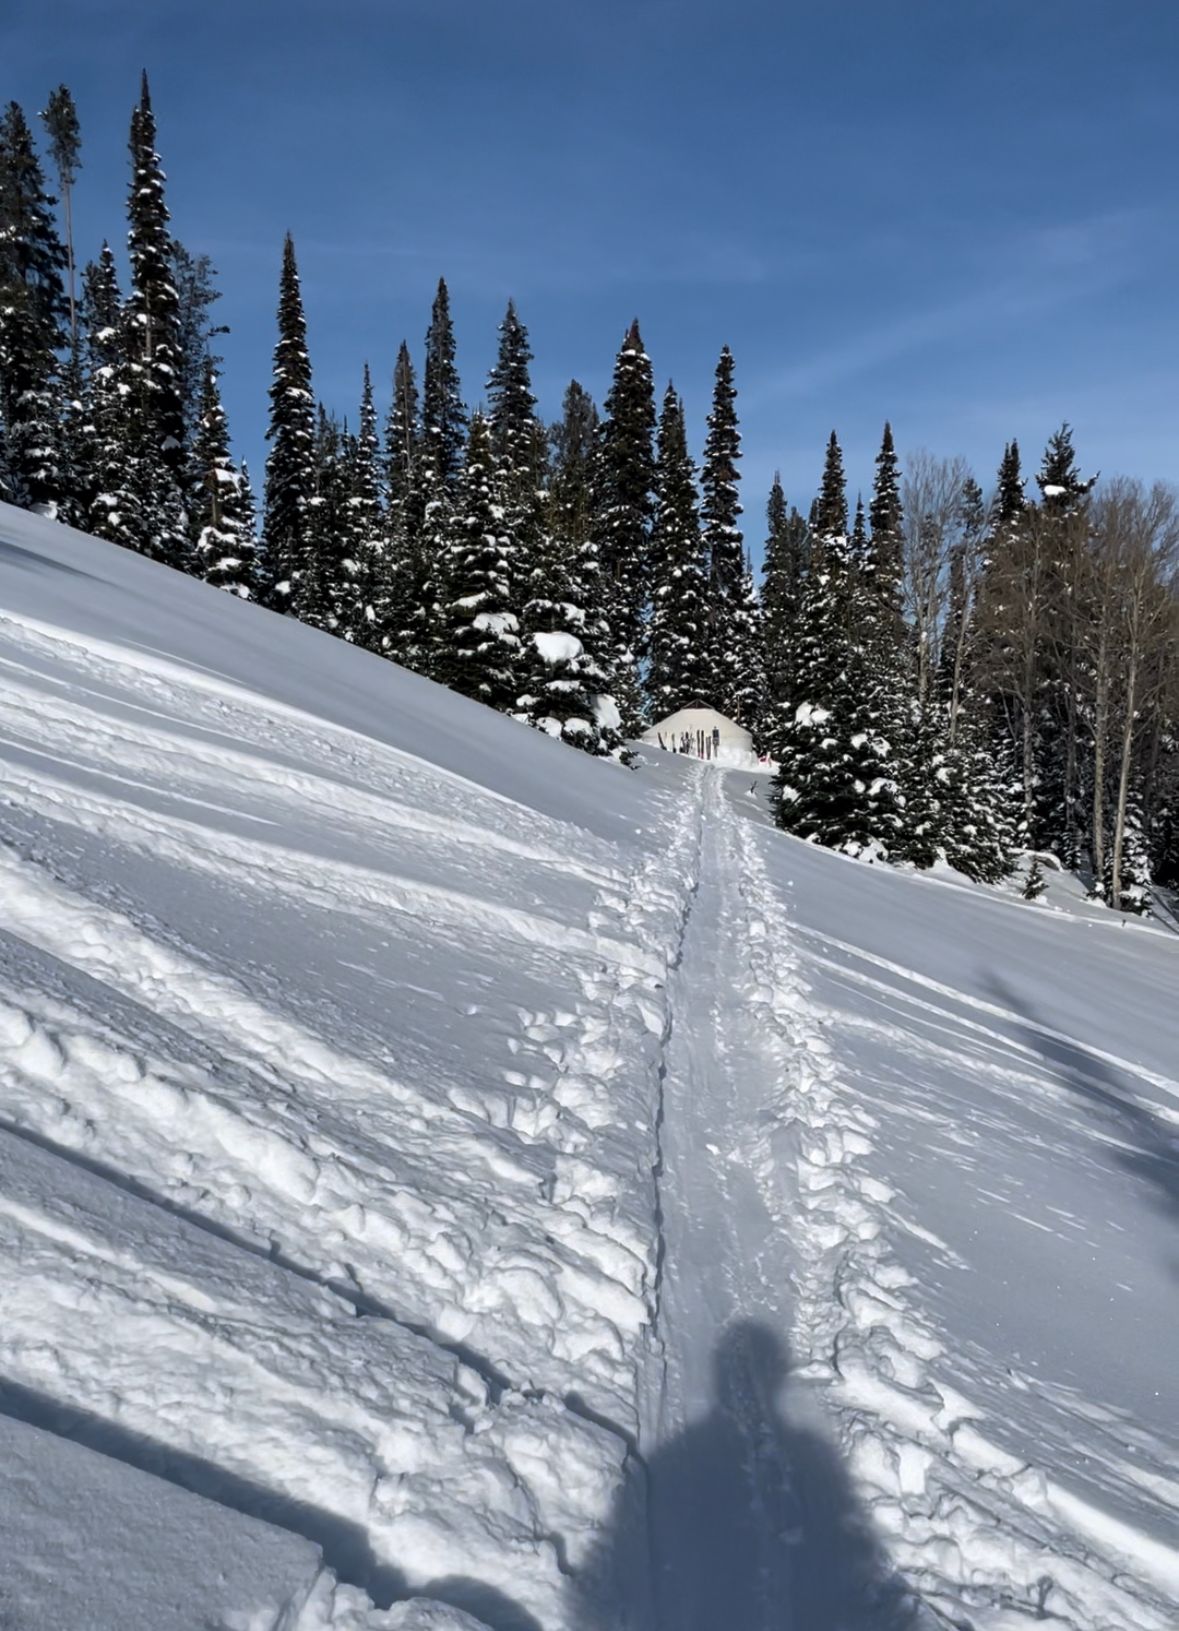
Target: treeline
[940, 676]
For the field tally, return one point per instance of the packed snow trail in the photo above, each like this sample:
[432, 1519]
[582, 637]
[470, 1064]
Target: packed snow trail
[751, 1520]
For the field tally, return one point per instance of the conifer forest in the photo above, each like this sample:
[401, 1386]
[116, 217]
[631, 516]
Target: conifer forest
[947, 666]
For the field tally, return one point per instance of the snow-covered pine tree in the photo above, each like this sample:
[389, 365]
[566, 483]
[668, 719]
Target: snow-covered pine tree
[1064, 767]
[327, 584]
[32, 317]
[569, 524]
[565, 689]
[679, 672]
[444, 426]
[224, 551]
[731, 635]
[60, 118]
[783, 571]
[624, 508]
[290, 465]
[478, 647]
[835, 785]
[193, 277]
[365, 585]
[153, 317]
[404, 591]
[858, 542]
[105, 402]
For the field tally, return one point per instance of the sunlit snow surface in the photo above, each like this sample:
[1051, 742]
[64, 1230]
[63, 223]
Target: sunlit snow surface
[540, 1191]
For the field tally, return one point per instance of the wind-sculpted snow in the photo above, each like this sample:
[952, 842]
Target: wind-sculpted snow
[459, 1183]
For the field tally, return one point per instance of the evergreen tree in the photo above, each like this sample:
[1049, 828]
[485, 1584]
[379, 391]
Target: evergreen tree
[519, 449]
[887, 520]
[478, 651]
[858, 542]
[624, 507]
[1010, 499]
[444, 421]
[829, 515]
[326, 587]
[783, 570]
[290, 466]
[401, 610]
[565, 688]
[153, 306]
[444, 418]
[32, 314]
[196, 292]
[362, 617]
[60, 118]
[1062, 487]
[570, 524]
[836, 785]
[225, 548]
[680, 671]
[105, 415]
[733, 642]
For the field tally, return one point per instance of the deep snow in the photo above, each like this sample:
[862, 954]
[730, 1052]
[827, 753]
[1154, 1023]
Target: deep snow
[542, 1190]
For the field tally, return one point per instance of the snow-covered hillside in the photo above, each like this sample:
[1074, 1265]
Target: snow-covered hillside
[444, 1176]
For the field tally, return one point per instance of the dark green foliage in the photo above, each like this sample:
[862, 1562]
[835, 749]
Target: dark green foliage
[1062, 487]
[224, 549]
[362, 611]
[60, 118]
[783, 571]
[837, 783]
[478, 648]
[106, 408]
[680, 671]
[325, 589]
[444, 418]
[829, 516]
[290, 466]
[732, 635]
[624, 509]
[32, 315]
[153, 327]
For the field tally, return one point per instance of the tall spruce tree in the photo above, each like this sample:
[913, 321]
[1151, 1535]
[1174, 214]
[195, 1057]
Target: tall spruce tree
[518, 445]
[624, 509]
[60, 118]
[566, 690]
[444, 425]
[570, 524]
[105, 408]
[290, 465]
[400, 613]
[732, 640]
[783, 570]
[478, 649]
[153, 305]
[835, 785]
[679, 673]
[362, 614]
[32, 315]
[224, 551]
[325, 588]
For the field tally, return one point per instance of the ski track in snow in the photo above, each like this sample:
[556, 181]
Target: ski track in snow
[491, 1203]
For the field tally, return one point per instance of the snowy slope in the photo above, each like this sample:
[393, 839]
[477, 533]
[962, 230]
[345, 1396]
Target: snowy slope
[545, 1189]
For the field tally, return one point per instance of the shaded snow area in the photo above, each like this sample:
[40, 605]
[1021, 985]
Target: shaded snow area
[448, 1182]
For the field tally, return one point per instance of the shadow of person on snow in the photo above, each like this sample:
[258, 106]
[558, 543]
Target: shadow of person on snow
[750, 1523]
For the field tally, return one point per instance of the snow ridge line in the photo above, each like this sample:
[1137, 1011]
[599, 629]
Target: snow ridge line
[968, 1526]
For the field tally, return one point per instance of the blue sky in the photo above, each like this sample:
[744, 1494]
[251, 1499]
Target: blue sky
[958, 214]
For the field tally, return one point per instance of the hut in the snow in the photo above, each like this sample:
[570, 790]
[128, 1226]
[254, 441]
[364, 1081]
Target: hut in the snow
[705, 734]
